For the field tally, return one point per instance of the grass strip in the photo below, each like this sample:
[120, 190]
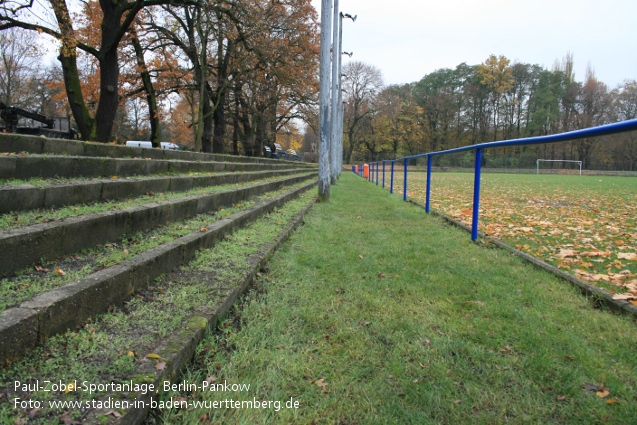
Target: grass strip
[42, 182]
[29, 282]
[22, 219]
[376, 313]
[111, 347]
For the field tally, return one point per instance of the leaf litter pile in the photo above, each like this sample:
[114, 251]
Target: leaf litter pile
[585, 225]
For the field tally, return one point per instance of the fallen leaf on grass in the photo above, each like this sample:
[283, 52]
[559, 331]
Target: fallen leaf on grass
[114, 413]
[59, 272]
[627, 256]
[611, 401]
[160, 365]
[70, 387]
[595, 254]
[603, 393]
[115, 177]
[322, 384]
[360, 256]
[153, 356]
[626, 296]
[566, 253]
[561, 398]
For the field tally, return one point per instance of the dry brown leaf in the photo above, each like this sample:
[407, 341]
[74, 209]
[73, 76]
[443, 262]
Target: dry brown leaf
[160, 365]
[566, 253]
[153, 356]
[115, 413]
[627, 256]
[322, 384]
[59, 272]
[626, 296]
[611, 401]
[603, 393]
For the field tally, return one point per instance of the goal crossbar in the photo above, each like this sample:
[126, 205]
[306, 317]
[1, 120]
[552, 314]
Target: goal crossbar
[537, 163]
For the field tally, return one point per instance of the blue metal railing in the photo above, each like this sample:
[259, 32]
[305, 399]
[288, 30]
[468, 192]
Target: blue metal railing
[604, 130]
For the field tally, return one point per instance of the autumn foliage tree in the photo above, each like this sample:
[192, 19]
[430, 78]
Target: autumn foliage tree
[102, 42]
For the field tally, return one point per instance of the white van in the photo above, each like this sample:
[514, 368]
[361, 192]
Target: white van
[138, 144]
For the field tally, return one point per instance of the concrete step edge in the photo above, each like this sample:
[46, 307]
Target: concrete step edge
[25, 246]
[25, 327]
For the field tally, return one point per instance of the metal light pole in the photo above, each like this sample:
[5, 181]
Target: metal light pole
[336, 86]
[324, 103]
[339, 104]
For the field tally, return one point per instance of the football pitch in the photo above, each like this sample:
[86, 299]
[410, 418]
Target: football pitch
[585, 225]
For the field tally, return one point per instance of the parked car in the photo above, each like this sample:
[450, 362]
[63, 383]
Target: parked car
[164, 145]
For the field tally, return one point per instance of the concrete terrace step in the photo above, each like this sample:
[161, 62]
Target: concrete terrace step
[25, 327]
[39, 145]
[30, 196]
[22, 166]
[25, 246]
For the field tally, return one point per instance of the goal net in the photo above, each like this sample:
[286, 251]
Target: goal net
[557, 160]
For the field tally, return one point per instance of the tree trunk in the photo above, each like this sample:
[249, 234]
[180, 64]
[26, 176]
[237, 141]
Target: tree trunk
[151, 96]
[85, 123]
[109, 70]
[206, 139]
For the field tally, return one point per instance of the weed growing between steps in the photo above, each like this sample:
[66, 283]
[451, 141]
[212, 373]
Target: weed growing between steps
[22, 219]
[61, 181]
[109, 348]
[31, 281]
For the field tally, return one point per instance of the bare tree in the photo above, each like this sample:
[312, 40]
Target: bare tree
[19, 56]
[363, 82]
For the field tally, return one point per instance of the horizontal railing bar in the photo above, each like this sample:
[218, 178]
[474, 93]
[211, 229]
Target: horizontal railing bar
[602, 130]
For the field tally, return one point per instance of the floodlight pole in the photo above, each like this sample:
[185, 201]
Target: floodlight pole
[324, 103]
[336, 87]
[339, 103]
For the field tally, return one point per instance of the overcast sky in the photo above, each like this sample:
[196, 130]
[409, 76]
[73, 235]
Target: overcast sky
[408, 39]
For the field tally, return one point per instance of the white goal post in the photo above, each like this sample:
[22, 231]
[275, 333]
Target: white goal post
[537, 163]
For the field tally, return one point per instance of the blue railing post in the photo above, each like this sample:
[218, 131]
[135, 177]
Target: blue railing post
[428, 203]
[405, 182]
[377, 170]
[383, 174]
[371, 171]
[476, 195]
[391, 180]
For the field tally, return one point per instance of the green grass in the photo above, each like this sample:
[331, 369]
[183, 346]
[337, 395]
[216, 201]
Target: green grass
[408, 322]
[99, 351]
[29, 282]
[21, 219]
[595, 216]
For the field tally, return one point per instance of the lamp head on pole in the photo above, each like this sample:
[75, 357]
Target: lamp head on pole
[347, 15]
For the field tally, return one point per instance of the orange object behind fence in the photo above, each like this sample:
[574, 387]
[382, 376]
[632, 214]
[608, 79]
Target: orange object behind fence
[356, 169]
[366, 171]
